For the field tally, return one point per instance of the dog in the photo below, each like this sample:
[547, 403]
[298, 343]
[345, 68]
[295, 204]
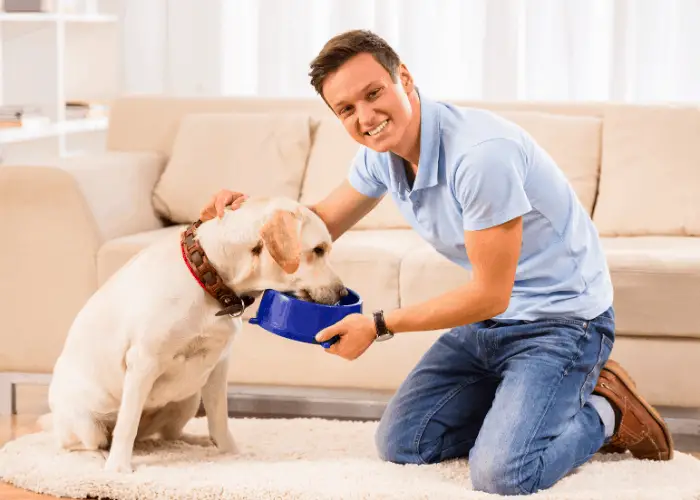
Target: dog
[154, 341]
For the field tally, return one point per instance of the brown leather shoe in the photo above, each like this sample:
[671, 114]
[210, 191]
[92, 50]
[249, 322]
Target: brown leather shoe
[612, 448]
[641, 429]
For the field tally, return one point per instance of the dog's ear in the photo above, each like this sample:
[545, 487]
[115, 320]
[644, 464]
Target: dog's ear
[280, 234]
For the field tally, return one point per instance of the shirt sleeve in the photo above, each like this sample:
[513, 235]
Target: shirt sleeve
[489, 184]
[363, 176]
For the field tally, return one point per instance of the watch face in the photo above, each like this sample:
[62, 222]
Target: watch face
[384, 336]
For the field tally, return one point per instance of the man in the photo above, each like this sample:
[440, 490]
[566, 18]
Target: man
[520, 383]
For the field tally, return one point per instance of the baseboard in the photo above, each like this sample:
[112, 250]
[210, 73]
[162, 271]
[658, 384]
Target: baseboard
[306, 402]
[266, 401]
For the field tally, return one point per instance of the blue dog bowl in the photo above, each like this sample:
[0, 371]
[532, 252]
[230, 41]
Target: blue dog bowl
[299, 320]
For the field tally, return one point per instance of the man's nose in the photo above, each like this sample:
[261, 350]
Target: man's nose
[365, 115]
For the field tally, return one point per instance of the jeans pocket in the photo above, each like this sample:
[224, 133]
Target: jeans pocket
[604, 350]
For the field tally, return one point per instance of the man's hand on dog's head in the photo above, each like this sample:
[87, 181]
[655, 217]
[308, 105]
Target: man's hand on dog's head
[218, 202]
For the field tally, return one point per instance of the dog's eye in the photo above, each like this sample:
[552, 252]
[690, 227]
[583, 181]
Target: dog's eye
[257, 249]
[320, 251]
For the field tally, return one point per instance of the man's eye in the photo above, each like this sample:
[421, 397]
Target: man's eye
[373, 94]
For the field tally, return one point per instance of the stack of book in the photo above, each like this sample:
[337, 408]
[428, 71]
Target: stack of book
[21, 116]
[79, 110]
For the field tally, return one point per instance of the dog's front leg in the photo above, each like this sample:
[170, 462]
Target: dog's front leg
[141, 373]
[214, 397]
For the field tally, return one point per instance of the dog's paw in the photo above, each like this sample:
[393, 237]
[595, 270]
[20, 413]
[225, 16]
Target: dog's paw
[226, 444]
[195, 440]
[116, 464]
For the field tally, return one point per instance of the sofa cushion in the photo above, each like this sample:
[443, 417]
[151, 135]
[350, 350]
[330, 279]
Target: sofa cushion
[369, 262]
[657, 282]
[650, 172]
[257, 154]
[330, 158]
[116, 252]
[574, 142]
[426, 274]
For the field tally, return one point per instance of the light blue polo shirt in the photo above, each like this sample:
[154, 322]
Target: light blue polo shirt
[478, 170]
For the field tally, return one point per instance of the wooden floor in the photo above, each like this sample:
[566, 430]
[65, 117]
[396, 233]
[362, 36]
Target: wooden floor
[25, 423]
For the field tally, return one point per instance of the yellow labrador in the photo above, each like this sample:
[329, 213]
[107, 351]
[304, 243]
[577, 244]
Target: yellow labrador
[149, 343]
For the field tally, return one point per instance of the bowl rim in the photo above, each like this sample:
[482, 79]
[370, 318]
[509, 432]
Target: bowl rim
[305, 303]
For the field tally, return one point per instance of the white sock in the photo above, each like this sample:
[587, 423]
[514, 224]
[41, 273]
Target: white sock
[606, 413]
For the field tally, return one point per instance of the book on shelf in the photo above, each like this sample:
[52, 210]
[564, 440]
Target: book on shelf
[78, 110]
[22, 116]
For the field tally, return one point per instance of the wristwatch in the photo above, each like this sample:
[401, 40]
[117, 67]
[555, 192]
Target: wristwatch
[383, 333]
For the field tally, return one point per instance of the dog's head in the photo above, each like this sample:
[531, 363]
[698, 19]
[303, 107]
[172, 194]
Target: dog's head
[277, 244]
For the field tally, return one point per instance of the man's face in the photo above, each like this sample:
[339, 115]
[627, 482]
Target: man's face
[374, 110]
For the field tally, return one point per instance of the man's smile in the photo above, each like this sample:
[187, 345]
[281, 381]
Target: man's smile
[378, 128]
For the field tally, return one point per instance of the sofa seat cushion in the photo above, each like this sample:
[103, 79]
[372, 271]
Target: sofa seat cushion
[256, 154]
[118, 251]
[426, 274]
[657, 284]
[369, 262]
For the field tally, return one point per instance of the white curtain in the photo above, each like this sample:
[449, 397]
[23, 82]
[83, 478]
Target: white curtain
[622, 50]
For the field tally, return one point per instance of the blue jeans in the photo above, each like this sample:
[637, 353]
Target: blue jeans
[510, 396]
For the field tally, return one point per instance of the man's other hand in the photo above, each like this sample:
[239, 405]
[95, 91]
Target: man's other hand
[222, 199]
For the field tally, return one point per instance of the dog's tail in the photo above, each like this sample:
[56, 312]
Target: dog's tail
[45, 422]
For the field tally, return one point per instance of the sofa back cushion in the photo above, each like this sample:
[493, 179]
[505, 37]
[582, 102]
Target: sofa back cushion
[257, 154]
[329, 163]
[574, 142]
[650, 172]
[151, 122]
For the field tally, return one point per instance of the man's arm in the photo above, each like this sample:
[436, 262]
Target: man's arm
[494, 254]
[489, 184]
[343, 208]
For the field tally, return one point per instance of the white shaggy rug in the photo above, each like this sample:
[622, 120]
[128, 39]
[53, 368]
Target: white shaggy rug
[310, 459]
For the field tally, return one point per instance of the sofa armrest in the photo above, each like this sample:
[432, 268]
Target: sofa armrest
[54, 220]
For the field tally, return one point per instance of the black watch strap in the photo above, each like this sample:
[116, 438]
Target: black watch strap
[383, 332]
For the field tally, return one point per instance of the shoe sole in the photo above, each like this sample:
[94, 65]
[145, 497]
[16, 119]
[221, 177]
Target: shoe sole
[616, 369]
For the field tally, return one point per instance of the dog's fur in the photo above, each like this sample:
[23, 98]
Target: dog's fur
[147, 345]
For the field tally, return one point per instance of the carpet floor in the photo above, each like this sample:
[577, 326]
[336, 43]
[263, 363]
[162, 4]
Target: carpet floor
[309, 459]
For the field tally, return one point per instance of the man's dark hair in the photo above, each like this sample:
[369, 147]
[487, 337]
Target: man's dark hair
[346, 45]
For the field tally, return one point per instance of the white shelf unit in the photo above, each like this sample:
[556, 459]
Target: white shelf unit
[72, 52]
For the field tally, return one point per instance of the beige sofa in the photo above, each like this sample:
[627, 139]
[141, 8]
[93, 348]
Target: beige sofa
[67, 228]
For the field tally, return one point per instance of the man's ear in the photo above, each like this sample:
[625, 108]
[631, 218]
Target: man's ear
[405, 78]
[280, 234]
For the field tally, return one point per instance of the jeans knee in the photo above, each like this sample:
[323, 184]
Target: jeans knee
[393, 445]
[498, 474]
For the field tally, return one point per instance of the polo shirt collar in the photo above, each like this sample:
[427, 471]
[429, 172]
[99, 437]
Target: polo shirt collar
[427, 174]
